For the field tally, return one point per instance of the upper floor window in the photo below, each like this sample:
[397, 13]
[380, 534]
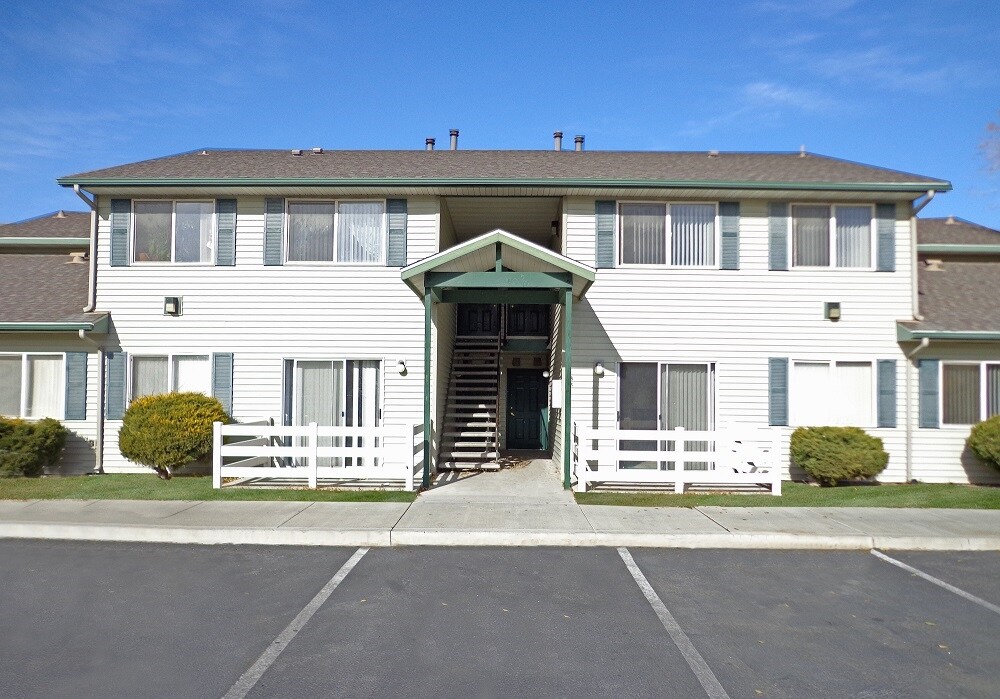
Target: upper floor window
[970, 392]
[155, 374]
[174, 231]
[683, 234]
[832, 236]
[328, 231]
[31, 385]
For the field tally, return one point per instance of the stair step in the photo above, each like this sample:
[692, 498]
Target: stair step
[468, 456]
[485, 424]
[487, 465]
[468, 446]
[466, 434]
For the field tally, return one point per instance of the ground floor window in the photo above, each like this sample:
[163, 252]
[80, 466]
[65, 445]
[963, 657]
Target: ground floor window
[970, 392]
[155, 374]
[335, 392]
[832, 393]
[664, 396]
[32, 385]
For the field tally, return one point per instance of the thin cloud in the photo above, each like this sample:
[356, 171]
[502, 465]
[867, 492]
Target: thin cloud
[816, 8]
[762, 102]
[771, 94]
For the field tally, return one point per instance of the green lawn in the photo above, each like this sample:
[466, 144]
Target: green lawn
[921, 495]
[148, 487]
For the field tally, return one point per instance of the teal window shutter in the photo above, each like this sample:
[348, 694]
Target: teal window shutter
[396, 255]
[928, 371]
[605, 222]
[887, 393]
[777, 229]
[76, 385]
[222, 379]
[115, 386]
[225, 239]
[274, 218]
[121, 213]
[777, 391]
[885, 225]
[729, 222]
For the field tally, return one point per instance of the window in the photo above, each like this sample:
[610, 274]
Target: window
[32, 385]
[659, 396]
[336, 392]
[346, 231]
[169, 231]
[970, 392]
[832, 393]
[152, 375]
[838, 236]
[684, 234]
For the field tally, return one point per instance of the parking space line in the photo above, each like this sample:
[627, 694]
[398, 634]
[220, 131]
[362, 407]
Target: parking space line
[940, 583]
[250, 678]
[713, 688]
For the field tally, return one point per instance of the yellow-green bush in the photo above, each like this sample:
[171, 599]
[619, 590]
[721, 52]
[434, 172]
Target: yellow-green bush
[831, 454]
[26, 448]
[984, 441]
[170, 430]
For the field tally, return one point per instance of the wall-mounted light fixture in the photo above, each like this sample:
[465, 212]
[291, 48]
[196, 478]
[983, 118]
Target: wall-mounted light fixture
[545, 374]
[172, 305]
[401, 367]
[598, 368]
[831, 310]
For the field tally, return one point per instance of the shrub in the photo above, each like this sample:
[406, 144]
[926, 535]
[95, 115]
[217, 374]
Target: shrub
[169, 431]
[984, 441]
[831, 454]
[26, 448]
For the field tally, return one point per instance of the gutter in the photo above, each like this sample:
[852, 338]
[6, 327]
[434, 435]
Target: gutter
[904, 334]
[914, 281]
[54, 327]
[92, 281]
[958, 249]
[43, 242]
[99, 432]
[924, 343]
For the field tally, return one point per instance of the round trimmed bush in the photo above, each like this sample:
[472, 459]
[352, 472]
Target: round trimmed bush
[168, 431]
[832, 454]
[984, 441]
[27, 448]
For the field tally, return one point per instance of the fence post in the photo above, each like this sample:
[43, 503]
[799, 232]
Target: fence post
[313, 457]
[775, 461]
[216, 454]
[409, 458]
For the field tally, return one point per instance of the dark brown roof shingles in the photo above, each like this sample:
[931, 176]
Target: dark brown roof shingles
[61, 224]
[955, 231]
[960, 297]
[42, 289]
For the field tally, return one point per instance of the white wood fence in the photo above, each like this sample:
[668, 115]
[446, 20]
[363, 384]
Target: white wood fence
[311, 453]
[722, 457]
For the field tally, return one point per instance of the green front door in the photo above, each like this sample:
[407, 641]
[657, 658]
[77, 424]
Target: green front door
[527, 409]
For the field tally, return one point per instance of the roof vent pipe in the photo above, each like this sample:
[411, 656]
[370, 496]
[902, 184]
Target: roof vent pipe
[578, 140]
[60, 214]
[429, 144]
[557, 136]
[454, 139]
[950, 220]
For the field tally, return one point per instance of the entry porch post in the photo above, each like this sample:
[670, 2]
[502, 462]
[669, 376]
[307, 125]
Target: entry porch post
[428, 300]
[567, 384]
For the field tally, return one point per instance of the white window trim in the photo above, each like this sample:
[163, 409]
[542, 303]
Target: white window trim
[793, 422]
[873, 237]
[290, 390]
[23, 407]
[620, 247]
[713, 403]
[170, 356]
[983, 398]
[173, 234]
[285, 230]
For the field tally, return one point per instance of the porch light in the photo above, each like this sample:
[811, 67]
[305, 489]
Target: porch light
[401, 367]
[171, 305]
[598, 368]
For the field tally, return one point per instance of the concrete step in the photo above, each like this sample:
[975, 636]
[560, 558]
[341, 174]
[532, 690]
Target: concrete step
[485, 465]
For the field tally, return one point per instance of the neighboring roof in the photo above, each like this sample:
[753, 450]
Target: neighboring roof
[959, 298]
[58, 224]
[518, 255]
[43, 289]
[954, 231]
[496, 167]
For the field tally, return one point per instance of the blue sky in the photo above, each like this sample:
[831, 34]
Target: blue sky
[910, 86]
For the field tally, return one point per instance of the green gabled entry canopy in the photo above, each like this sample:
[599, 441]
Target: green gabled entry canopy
[498, 267]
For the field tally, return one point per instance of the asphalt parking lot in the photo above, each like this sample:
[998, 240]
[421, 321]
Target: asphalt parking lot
[137, 620]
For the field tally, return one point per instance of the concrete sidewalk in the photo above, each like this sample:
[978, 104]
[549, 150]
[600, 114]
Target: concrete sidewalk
[480, 521]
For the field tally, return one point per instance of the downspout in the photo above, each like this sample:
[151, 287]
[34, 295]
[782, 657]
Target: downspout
[99, 435]
[92, 285]
[914, 290]
[909, 404]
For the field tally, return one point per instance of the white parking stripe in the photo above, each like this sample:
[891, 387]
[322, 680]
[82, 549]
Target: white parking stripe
[940, 583]
[245, 683]
[698, 665]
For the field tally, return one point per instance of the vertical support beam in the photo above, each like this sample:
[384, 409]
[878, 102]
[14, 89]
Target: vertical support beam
[216, 454]
[499, 251]
[428, 302]
[567, 384]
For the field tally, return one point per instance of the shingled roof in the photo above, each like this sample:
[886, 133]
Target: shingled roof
[58, 224]
[959, 297]
[45, 288]
[955, 231]
[508, 166]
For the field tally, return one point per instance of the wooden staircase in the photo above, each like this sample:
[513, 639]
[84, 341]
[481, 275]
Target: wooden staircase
[469, 439]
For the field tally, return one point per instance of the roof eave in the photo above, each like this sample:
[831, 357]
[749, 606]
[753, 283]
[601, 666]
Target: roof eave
[44, 242]
[958, 249]
[905, 334]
